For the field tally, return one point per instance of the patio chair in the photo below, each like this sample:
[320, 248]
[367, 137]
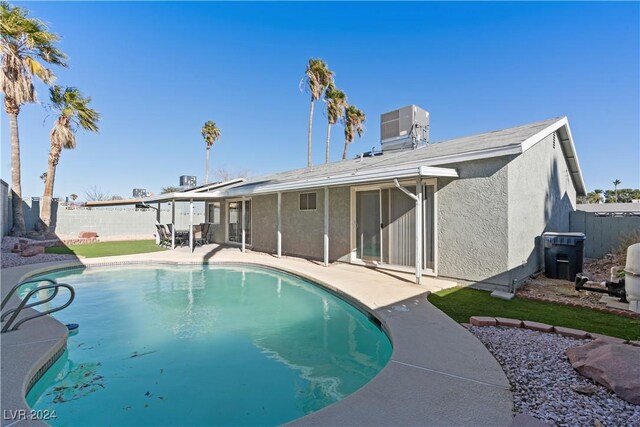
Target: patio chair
[200, 232]
[162, 235]
[202, 235]
[182, 238]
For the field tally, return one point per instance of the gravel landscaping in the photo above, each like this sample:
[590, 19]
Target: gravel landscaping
[545, 385]
[9, 259]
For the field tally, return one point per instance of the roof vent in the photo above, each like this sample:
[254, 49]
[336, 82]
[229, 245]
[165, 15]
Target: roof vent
[404, 129]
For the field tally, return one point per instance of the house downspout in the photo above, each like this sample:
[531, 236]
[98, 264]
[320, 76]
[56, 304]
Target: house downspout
[418, 199]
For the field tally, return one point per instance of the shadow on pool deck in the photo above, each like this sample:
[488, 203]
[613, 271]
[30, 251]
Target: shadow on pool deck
[439, 373]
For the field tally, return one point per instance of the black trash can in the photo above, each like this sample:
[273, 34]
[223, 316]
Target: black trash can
[563, 255]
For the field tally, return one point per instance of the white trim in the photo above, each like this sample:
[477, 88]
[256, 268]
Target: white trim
[357, 177]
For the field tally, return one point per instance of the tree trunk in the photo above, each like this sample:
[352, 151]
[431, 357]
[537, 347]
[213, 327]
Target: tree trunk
[16, 184]
[45, 203]
[206, 172]
[309, 161]
[344, 153]
[328, 141]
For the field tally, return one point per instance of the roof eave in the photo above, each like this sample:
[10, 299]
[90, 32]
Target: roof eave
[381, 174]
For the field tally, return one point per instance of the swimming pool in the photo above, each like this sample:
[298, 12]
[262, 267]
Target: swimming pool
[205, 345]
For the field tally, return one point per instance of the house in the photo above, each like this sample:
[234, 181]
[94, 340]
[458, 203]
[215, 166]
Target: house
[471, 209]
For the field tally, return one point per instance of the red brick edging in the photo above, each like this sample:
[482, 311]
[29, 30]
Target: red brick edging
[543, 327]
[624, 313]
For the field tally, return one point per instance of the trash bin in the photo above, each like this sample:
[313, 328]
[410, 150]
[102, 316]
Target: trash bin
[563, 255]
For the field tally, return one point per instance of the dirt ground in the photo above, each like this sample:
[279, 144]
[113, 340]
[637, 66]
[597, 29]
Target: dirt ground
[597, 270]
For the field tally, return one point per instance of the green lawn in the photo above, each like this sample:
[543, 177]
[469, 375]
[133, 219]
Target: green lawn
[93, 250]
[462, 303]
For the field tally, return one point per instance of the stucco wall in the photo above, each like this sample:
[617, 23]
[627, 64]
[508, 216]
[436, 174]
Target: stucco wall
[5, 209]
[339, 224]
[472, 221]
[541, 196]
[265, 222]
[302, 231]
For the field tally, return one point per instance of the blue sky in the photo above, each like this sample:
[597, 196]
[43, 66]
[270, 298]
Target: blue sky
[158, 71]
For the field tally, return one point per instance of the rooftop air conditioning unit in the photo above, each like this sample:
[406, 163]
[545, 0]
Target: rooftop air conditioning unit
[404, 129]
[187, 181]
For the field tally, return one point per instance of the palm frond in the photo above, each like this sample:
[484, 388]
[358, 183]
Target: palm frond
[210, 132]
[24, 42]
[336, 104]
[353, 123]
[318, 77]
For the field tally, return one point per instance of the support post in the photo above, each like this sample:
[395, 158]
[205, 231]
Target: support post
[418, 231]
[418, 199]
[244, 208]
[191, 224]
[173, 224]
[326, 226]
[158, 223]
[279, 237]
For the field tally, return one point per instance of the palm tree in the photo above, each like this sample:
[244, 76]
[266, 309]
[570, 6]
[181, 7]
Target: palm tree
[615, 186]
[210, 133]
[336, 103]
[24, 42]
[353, 123]
[73, 113]
[318, 77]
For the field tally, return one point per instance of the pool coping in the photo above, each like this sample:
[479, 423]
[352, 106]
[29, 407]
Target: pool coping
[438, 374]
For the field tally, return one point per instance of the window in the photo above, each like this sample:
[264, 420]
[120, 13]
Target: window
[214, 212]
[308, 201]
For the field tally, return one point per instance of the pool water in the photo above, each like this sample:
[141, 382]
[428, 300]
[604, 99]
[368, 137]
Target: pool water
[204, 345]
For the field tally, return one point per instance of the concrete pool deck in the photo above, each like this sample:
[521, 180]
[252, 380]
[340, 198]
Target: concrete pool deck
[438, 374]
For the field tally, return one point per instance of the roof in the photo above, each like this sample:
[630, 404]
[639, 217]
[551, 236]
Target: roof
[98, 203]
[511, 141]
[200, 193]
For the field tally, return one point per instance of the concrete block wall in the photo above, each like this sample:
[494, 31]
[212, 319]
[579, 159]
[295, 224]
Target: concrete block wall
[109, 222]
[603, 233]
[5, 209]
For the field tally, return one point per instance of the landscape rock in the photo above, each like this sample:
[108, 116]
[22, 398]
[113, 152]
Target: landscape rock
[87, 234]
[32, 251]
[585, 389]
[614, 365]
[543, 381]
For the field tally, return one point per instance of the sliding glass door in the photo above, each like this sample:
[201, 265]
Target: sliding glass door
[368, 236]
[385, 225]
[234, 221]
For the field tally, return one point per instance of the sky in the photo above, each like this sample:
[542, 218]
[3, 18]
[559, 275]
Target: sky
[157, 71]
